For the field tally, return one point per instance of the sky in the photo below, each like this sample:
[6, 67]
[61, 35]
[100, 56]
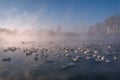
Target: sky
[71, 15]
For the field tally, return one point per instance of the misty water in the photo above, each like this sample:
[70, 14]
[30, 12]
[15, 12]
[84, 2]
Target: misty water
[59, 39]
[60, 60]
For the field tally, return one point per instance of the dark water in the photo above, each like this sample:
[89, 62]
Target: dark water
[54, 64]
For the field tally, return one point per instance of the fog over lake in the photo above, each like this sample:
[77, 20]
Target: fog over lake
[59, 40]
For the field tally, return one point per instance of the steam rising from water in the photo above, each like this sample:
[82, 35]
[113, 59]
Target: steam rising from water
[39, 36]
[15, 37]
[16, 26]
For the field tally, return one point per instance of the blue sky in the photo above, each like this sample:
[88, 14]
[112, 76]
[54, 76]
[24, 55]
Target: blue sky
[70, 14]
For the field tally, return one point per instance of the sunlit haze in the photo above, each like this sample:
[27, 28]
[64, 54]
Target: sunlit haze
[59, 39]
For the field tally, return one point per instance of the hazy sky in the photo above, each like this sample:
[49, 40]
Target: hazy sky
[70, 14]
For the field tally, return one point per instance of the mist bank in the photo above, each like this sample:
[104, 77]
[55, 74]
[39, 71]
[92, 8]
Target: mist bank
[41, 36]
[108, 30]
